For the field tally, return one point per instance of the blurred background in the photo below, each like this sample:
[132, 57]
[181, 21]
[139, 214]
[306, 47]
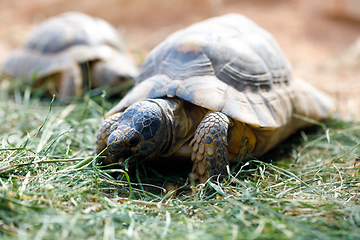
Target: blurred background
[321, 38]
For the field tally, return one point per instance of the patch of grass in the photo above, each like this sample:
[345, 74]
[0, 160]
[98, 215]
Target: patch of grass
[51, 188]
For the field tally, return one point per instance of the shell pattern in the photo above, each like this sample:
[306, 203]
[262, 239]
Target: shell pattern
[227, 64]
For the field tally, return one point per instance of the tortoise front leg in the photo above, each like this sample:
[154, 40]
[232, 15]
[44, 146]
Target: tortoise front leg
[71, 84]
[210, 154]
[103, 133]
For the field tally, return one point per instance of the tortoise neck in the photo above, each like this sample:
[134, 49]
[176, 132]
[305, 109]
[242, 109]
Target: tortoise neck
[168, 107]
[182, 119]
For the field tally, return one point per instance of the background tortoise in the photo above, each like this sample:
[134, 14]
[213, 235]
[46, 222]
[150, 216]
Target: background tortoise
[57, 51]
[217, 89]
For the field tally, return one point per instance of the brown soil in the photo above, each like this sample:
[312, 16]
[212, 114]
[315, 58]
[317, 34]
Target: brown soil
[316, 44]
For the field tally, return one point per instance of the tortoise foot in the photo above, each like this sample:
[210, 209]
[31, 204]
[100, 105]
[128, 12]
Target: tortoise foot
[210, 155]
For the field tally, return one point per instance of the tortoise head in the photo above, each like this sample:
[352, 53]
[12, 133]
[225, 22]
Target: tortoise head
[114, 71]
[143, 131]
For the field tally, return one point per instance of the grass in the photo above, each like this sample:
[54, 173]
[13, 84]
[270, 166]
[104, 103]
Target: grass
[51, 188]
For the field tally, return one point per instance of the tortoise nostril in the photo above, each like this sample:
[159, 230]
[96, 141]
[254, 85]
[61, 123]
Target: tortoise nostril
[114, 126]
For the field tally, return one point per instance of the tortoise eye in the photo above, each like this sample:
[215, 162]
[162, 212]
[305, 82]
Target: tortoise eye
[122, 78]
[131, 138]
[134, 141]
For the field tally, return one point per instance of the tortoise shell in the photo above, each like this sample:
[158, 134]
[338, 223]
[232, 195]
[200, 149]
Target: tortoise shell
[228, 64]
[61, 41]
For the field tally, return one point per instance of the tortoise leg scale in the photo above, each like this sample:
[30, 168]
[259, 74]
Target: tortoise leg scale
[210, 155]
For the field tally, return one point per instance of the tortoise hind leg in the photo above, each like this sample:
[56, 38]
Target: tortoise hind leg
[210, 154]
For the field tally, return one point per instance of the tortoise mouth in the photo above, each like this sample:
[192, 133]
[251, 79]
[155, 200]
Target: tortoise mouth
[126, 161]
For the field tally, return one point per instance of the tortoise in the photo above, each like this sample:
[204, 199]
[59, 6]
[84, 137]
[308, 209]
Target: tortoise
[219, 89]
[60, 49]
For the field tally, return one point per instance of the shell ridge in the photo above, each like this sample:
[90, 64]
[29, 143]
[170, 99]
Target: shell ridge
[198, 66]
[271, 108]
[271, 55]
[262, 112]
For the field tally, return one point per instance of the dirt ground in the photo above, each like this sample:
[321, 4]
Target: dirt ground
[319, 43]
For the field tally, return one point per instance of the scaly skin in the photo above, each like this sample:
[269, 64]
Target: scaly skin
[210, 154]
